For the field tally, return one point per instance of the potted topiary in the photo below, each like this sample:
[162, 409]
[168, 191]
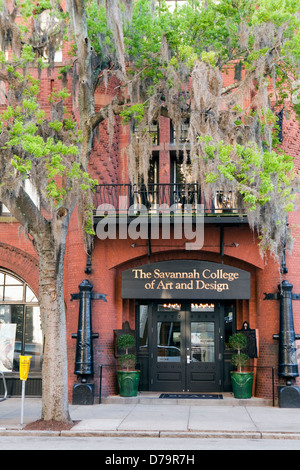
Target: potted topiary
[128, 377]
[241, 381]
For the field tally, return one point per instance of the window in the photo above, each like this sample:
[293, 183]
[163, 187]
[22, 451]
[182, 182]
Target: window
[172, 4]
[147, 195]
[181, 171]
[48, 21]
[154, 132]
[185, 189]
[202, 341]
[225, 201]
[19, 306]
[229, 321]
[184, 131]
[152, 128]
[168, 341]
[202, 307]
[169, 307]
[143, 329]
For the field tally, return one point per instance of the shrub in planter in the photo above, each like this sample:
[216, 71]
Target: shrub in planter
[241, 381]
[128, 377]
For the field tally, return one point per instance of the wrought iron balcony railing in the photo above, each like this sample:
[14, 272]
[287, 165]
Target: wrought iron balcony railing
[156, 198]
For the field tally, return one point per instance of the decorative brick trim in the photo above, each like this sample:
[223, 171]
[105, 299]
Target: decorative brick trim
[21, 263]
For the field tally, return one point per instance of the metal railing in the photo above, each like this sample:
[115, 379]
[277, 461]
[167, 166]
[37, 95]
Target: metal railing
[138, 367]
[155, 196]
[101, 378]
[272, 369]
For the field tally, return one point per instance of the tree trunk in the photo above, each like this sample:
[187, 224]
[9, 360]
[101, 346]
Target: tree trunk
[86, 101]
[55, 364]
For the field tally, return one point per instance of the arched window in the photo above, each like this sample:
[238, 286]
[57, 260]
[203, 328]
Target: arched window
[19, 306]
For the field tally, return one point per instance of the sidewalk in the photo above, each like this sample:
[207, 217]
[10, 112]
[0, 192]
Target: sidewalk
[162, 419]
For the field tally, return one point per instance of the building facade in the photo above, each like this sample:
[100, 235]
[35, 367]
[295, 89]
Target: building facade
[184, 284]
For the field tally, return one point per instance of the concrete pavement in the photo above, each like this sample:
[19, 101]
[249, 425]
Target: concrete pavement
[228, 418]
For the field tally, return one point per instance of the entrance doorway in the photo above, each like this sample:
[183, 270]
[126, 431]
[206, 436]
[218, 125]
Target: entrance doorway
[186, 344]
[182, 345]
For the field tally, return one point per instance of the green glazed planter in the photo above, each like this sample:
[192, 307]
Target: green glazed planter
[128, 382]
[242, 383]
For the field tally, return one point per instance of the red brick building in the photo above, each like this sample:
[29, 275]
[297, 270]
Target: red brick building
[189, 315]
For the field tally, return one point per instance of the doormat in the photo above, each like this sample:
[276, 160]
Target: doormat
[205, 396]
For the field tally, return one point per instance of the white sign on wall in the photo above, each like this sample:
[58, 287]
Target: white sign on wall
[7, 346]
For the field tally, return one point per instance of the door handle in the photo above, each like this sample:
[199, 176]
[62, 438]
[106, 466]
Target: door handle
[188, 359]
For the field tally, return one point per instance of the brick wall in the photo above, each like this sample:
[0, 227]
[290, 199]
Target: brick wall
[108, 164]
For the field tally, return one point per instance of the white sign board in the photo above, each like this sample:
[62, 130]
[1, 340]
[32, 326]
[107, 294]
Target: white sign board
[7, 346]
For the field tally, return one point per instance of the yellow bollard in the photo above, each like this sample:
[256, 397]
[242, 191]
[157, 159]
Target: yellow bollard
[24, 370]
[24, 367]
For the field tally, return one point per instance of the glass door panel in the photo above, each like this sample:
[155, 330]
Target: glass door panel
[203, 341]
[203, 370]
[168, 342]
[168, 360]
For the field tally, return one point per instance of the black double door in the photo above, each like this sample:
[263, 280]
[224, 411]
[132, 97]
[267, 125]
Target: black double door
[186, 347]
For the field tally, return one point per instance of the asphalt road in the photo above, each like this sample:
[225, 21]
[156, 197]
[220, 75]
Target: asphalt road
[111, 444]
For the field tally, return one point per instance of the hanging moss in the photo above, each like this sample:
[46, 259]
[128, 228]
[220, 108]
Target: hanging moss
[241, 116]
[174, 64]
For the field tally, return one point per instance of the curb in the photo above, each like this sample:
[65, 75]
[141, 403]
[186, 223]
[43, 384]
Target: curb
[156, 434]
[117, 400]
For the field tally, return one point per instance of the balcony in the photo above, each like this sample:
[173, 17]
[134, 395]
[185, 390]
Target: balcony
[126, 200]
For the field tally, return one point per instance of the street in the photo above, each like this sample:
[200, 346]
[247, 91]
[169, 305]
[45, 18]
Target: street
[128, 444]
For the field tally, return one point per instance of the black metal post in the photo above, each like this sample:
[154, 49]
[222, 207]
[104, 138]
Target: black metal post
[288, 366]
[289, 396]
[100, 385]
[84, 362]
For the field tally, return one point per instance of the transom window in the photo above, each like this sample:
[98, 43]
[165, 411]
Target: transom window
[19, 306]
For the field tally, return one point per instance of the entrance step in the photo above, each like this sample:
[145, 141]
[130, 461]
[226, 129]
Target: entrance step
[152, 398]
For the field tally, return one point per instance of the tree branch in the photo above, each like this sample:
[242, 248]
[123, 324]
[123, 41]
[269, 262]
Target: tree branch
[24, 209]
[86, 103]
[228, 88]
[100, 116]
